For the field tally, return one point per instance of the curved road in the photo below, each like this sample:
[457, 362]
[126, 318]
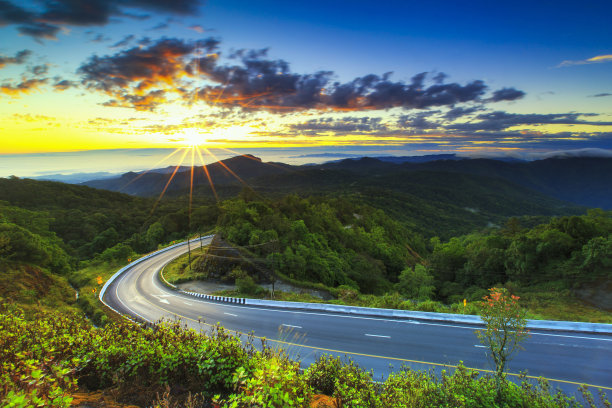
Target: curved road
[380, 344]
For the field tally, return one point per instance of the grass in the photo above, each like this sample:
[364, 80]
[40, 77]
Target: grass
[177, 271]
[562, 305]
[35, 289]
[89, 280]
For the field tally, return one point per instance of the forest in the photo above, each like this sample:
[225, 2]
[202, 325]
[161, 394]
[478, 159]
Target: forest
[57, 238]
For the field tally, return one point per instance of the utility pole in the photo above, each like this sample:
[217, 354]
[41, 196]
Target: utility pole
[189, 251]
[200, 233]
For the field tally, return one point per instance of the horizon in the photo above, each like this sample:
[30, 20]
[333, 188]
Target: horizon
[111, 162]
[319, 79]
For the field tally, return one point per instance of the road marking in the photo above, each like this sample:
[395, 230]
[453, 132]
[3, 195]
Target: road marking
[405, 360]
[230, 314]
[378, 335]
[292, 326]
[160, 298]
[187, 303]
[389, 320]
[480, 345]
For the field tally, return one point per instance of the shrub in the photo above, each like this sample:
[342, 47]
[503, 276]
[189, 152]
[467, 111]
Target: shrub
[276, 383]
[322, 374]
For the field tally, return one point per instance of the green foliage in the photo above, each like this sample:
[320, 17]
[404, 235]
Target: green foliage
[43, 360]
[416, 283]
[323, 373]
[574, 251]
[330, 241]
[274, 383]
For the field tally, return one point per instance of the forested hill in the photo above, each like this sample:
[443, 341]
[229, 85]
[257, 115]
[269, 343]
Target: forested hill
[580, 180]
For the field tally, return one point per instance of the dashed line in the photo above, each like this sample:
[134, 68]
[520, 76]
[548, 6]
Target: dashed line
[292, 326]
[230, 314]
[480, 346]
[378, 335]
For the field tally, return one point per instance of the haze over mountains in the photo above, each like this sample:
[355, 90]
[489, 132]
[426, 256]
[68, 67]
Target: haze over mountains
[583, 181]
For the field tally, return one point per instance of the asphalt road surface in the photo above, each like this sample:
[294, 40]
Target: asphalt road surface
[380, 344]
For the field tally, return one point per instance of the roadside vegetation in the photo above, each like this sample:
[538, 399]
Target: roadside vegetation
[47, 359]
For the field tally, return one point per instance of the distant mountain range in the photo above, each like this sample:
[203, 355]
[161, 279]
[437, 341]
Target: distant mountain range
[585, 181]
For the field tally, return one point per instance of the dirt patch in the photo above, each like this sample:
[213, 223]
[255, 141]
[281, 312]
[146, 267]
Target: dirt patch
[210, 287]
[598, 295]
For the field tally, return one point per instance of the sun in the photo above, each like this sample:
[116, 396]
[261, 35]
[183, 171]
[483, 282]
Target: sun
[191, 138]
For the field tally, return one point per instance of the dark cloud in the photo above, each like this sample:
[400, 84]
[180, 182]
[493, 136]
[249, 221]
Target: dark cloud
[23, 87]
[99, 38]
[418, 121]
[63, 84]
[135, 76]
[125, 41]
[19, 58]
[499, 120]
[506, 94]
[39, 31]
[160, 26]
[39, 70]
[601, 95]
[339, 126]
[12, 14]
[260, 83]
[45, 23]
[459, 112]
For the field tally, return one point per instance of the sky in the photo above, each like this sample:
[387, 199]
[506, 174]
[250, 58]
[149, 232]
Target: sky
[84, 83]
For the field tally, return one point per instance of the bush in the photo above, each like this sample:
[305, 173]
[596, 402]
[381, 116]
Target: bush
[354, 387]
[323, 373]
[276, 383]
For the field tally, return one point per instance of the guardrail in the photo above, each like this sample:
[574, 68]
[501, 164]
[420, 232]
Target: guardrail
[600, 328]
[551, 325]
[136, 262]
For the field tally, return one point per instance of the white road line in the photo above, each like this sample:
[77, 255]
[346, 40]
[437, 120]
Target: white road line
[292, 326]
[378, 335]
[188, 304]
[230, 314]
[480, 345]
[390, 320]
[467, 327]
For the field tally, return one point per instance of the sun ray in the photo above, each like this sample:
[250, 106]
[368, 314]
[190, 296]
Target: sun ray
[212, 186]
[191, 184]
[169, 181]
[153, 167]
[226, 168]
[251, 158]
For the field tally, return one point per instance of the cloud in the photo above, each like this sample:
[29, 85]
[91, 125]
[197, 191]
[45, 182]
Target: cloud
[45, 23]
[594, 60]
[499, 120]
[600, 95]
[506, 94]
[19, 58]
[418, 121]
[39, 31]
[24, 87]
[259, 83]
[197, 28]
[39, 70]
[339, 126]
[139, 76]
[458, 112]
[125, 41]
[63, 84]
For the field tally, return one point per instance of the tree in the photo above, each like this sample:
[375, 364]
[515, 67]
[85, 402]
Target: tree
[505, 328]
[416, 284]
